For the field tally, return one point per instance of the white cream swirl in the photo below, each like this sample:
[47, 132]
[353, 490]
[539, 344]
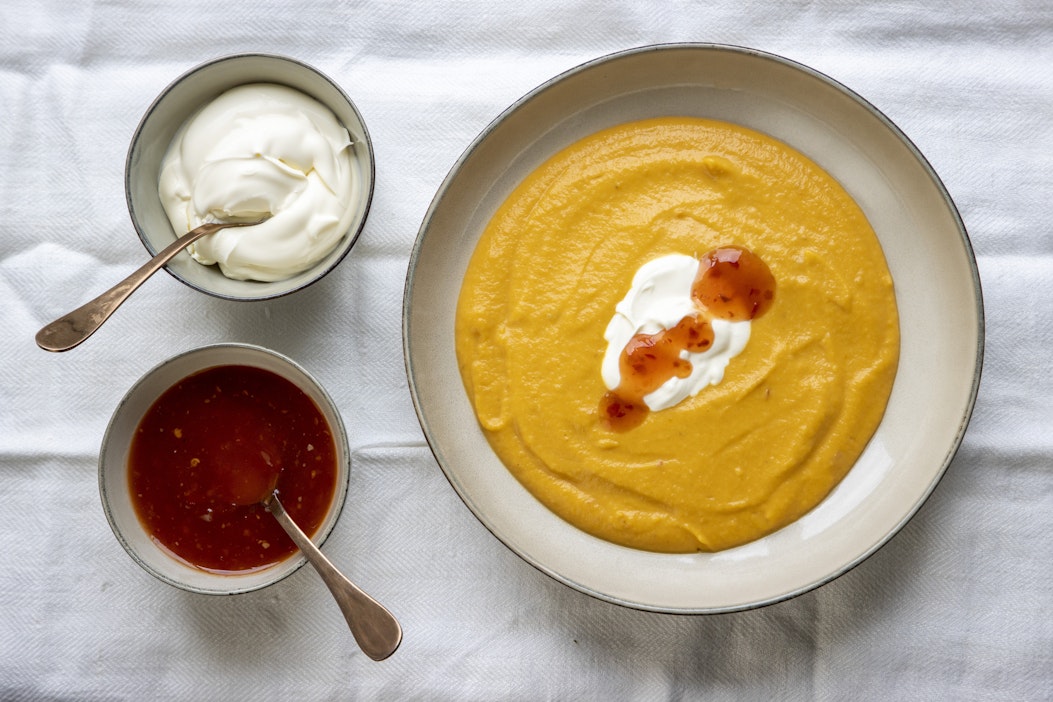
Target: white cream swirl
[261, 149]
[659, 298]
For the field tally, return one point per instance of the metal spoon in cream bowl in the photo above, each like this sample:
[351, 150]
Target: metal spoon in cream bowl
[71, 329]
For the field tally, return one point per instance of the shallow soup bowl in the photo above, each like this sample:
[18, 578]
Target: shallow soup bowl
[929, 257]
[114, 467]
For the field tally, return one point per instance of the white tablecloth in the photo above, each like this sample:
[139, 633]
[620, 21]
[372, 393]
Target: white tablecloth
[957, 606]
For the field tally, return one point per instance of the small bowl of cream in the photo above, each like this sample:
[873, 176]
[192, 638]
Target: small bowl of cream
[248, 137]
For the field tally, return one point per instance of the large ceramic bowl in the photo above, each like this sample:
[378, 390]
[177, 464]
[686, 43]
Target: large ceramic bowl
[928, 252]
[184, 97]
[113, 467]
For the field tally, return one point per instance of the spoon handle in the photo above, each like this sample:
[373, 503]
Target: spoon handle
[70, 330]
[375, 629]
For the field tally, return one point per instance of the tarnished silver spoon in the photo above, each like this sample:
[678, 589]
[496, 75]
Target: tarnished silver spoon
[252, 480]
[70, 330]
[375, 629]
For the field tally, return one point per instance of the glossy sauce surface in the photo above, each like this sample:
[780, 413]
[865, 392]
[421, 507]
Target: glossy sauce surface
[211, 447]
[733, 283]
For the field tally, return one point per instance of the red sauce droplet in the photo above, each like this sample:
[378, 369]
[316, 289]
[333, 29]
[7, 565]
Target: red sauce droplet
[620, 415]
[211, 447]
[733, 284]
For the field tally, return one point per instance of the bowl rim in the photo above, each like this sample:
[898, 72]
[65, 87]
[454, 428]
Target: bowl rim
[888, 124]
[369, 164]
[296, 559]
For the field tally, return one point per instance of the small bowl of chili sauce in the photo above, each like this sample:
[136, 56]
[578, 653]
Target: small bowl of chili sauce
[194, 445]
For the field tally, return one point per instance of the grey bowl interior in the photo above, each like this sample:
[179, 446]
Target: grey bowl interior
[179, 101]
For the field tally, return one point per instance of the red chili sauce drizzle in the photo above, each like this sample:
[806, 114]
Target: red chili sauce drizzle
[220, 437]
[733, 284]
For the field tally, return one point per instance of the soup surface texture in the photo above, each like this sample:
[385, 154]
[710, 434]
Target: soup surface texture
[211, 447]
[795, 405]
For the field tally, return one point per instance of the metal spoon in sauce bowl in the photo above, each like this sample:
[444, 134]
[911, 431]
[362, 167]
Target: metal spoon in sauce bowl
[375, 629]
[70, 330]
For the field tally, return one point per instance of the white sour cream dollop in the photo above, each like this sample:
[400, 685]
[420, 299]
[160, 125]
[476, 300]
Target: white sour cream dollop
[261, 149]
[659, 298]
